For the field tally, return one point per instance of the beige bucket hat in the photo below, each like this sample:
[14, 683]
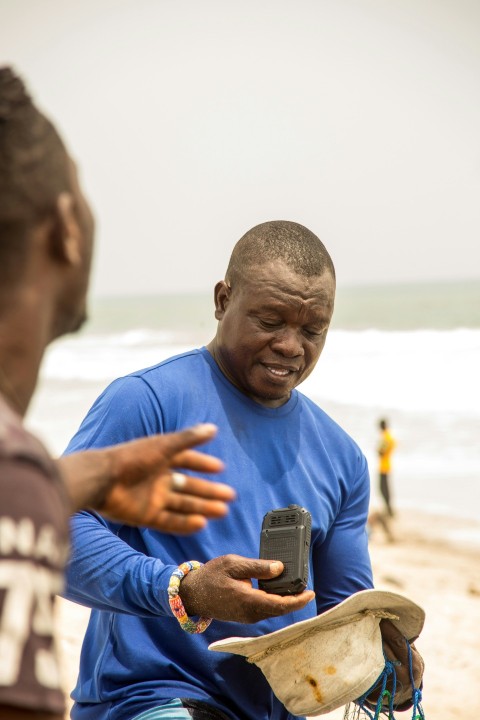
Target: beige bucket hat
[320, 664]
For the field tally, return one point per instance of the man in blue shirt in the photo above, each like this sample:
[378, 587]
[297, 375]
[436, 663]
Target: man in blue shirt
[274, 309]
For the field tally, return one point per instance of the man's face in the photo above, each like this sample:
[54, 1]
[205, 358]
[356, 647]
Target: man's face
[272, 328]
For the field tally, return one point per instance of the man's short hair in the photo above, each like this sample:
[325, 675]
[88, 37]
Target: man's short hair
[295, 245]
[34, 170]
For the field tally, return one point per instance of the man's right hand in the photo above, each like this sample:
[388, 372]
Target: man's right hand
[222, 589]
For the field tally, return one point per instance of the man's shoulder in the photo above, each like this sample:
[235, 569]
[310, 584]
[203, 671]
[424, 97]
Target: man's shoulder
[332, 432]
[32, 494]
[181, 363]
[175, 371]
[176, 376]
[320, 415]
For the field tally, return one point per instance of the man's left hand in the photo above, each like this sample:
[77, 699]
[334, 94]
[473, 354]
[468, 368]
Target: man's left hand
[395, 647]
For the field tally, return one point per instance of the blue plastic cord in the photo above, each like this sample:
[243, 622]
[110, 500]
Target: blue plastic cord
[389, 669]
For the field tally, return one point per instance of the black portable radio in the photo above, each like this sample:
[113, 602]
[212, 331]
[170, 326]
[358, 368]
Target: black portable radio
[285, 536]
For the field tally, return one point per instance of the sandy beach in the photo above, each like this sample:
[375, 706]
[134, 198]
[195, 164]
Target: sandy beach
[430, 561]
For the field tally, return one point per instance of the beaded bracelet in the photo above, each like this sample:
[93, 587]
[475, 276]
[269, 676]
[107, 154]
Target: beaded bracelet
[175, 601]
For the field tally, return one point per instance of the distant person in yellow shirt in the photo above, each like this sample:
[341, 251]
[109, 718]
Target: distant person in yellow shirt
[386, 446]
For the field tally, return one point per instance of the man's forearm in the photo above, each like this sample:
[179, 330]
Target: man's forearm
[105, 573]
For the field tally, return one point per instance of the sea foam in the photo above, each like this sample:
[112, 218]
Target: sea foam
[421, 370]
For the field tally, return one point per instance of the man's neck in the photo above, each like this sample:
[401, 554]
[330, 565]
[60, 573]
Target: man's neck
[23, 339]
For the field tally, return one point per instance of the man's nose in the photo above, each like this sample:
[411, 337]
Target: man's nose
[288, 342]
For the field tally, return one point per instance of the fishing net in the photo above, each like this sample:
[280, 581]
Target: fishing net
[384, 708]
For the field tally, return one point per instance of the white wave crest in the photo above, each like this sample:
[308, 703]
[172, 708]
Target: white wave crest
[417, 370]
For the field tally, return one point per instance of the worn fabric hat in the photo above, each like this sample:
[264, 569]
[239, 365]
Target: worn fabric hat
[320, 664]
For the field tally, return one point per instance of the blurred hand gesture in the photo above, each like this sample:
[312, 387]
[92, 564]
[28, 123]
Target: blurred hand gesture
[137, 482]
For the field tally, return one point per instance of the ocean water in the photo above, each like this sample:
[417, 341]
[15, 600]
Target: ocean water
[408, 353]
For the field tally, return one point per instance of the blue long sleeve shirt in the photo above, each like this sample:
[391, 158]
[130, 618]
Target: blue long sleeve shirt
[135, 655]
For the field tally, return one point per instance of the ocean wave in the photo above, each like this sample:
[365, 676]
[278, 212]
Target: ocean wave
[100, 358]
[432, 370]
[421, 370]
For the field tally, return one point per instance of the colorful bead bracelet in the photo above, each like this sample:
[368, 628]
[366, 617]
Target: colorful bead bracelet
[175, 601]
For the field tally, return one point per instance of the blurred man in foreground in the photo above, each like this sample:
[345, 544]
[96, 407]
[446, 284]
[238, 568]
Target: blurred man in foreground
[46, 240]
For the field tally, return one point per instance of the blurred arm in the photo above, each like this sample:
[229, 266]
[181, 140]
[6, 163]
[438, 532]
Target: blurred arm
[133, 482]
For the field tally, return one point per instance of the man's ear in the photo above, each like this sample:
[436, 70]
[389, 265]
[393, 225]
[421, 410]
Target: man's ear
[222, 296]
[66, 235]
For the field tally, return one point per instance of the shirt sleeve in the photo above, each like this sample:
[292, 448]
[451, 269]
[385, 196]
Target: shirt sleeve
[342, 562]
[33, 546]
[106, 573]
[127, 409]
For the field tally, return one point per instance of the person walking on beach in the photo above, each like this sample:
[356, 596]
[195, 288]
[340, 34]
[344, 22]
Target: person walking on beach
[46, 237]
[155, 606]
[385, 448]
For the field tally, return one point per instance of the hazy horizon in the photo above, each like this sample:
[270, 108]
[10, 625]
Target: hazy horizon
[341, 286]
[192, 122]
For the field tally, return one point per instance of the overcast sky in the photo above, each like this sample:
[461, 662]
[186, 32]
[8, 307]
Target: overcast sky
[194, 120]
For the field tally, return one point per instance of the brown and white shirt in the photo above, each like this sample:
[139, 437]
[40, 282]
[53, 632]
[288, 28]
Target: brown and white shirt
[34, 513]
